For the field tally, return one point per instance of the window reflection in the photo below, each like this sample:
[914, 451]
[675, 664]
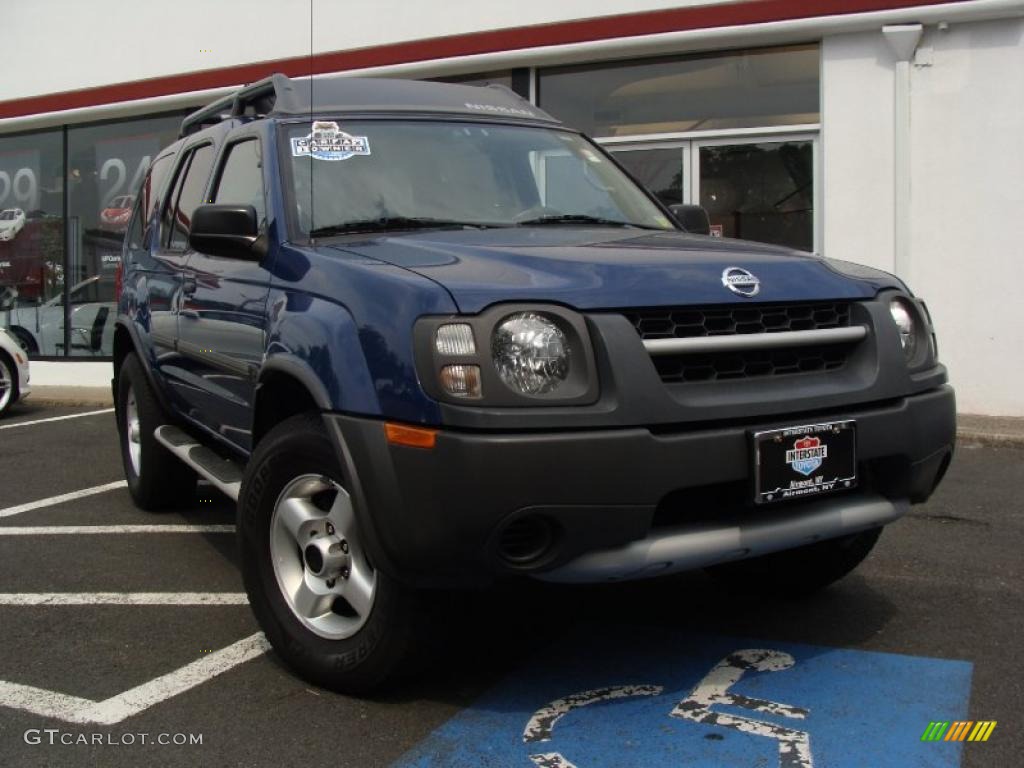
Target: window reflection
[31, 238]
[106, 165]
[743, 89]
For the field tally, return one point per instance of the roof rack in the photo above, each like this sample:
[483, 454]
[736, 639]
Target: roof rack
[258, 99]
[278, 95]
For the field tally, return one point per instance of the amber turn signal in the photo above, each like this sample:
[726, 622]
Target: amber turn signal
[415, 437]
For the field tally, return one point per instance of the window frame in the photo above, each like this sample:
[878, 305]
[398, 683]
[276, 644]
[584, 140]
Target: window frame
[181, 173]
[221, 165]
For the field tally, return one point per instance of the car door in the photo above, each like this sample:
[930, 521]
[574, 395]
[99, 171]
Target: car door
[169, 256]
[222, 321]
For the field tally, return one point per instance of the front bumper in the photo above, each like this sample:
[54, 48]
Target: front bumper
[442, 516]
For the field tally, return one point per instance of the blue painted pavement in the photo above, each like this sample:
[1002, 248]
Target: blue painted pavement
[651, 698]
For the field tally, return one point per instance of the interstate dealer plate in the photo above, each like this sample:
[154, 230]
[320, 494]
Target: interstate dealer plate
[797, 462]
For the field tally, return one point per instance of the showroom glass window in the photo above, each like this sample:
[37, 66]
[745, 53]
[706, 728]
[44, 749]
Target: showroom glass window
[32, 237]
[106, 165]
[702, 92]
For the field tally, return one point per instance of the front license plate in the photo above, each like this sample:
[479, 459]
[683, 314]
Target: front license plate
[797, 462]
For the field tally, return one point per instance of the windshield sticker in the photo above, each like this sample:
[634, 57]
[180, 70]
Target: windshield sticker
[328, 142]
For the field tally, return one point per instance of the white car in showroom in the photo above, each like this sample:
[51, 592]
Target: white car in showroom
[12, 221]
[13, 372]
[40, 329]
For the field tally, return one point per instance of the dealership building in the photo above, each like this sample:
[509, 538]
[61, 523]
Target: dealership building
[886, 132]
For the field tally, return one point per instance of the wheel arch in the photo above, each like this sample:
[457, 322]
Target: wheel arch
[287, 386]
[126, 340]
[20, 332]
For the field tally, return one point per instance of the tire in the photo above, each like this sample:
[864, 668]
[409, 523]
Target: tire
[25, 340]
[801, 571]
[8, 383]
[294, 491]
[156, 478]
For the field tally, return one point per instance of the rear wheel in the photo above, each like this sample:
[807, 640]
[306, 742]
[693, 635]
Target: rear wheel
[800, 571]
[156, 479]
[328, 612]
[8, 383]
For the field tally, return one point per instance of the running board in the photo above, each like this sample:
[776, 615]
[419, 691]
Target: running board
[761, 532]
[225, 474]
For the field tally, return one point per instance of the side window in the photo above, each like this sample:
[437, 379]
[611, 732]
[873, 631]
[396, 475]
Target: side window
[241, 180]
[191, 195]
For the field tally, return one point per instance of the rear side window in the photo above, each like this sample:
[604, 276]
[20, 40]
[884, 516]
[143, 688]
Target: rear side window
[191, 195]
[241, 181]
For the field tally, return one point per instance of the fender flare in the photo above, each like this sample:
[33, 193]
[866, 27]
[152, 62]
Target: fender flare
[124, 322]
[301, 371]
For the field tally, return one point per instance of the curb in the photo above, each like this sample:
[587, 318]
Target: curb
[993, 439]
[70, 396]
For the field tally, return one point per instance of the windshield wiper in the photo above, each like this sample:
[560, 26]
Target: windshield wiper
[579, 218]
[393, 223]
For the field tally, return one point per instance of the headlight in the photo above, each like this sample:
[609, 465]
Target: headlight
[903, 316]
[531, 353]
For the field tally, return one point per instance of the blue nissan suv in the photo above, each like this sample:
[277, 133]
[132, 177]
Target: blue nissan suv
[427, 336]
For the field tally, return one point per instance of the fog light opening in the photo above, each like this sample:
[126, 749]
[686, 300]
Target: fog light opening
[526, 540]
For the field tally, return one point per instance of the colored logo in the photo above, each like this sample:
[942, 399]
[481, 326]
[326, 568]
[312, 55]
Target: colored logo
[328, 142]
[960, 730]
[740, 281]
[806, 455]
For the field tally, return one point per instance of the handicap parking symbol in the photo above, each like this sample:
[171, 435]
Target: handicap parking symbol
[668, 698]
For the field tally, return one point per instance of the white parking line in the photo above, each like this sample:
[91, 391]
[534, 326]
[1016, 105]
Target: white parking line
[55, 418]
[49, 530]
[29, 506]
[74, 709]
[123, 598]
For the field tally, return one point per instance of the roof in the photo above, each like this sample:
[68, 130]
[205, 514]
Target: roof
[279, 96]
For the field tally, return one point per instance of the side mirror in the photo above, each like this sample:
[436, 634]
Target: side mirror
[226, 230]
[693, 218]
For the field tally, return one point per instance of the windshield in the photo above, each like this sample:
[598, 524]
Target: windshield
[8, 216]
[377, 175]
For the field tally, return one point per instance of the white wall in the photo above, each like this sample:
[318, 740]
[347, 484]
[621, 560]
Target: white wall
[61, 45]
[967, 193]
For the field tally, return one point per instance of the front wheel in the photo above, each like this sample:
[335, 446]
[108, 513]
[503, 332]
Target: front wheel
[324, 607]
[800, 571]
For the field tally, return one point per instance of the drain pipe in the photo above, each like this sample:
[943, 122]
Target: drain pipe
[903, 40]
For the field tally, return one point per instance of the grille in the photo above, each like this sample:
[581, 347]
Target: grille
[750, 363]
[728, 321]
[744, 363]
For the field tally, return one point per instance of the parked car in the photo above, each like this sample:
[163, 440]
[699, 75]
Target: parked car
[12, 221]
[114, 218]
[426, 335]
[39, 329]
[14, 376]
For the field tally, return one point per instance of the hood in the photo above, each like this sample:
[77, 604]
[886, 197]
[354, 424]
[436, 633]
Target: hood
[601, 268]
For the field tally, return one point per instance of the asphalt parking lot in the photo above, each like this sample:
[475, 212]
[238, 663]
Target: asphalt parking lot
[120, 623]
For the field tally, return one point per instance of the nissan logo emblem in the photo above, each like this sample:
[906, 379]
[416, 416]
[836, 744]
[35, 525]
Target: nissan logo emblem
[740, 281]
